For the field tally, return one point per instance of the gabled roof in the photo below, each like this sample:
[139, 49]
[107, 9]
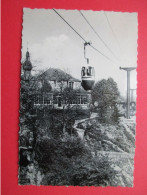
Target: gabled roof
[54, 74]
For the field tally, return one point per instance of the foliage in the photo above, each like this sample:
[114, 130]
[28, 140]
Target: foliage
[61, 157]
[46, 86]
[27, 115]
[106, 93]
[107, 137]
[69, 112]
[69, 95]
[70, 162]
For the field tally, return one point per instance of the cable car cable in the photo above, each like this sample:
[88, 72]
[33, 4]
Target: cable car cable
[109, 24]
[97, 34]
[80, 35]
[69, 25]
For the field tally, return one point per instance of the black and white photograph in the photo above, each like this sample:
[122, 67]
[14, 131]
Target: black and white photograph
[78, 90]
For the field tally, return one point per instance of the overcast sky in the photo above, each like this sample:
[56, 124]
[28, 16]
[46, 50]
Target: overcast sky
[52, 43]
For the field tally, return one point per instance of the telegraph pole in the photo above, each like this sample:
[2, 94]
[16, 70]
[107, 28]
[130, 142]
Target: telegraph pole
[128, 69]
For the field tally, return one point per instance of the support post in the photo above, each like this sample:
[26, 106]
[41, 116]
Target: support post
[128, 69]
[132, 94]
[128, 94]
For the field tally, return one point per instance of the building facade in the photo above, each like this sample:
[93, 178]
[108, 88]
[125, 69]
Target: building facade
[50, 88]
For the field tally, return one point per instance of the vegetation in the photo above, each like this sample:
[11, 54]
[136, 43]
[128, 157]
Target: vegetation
[70, 162]
[51, 153]
[106, 94]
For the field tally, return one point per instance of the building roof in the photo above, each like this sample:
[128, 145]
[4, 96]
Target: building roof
[54, 74]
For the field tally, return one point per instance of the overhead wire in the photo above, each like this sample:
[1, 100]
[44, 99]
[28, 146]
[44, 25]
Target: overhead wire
[81, 36]
[109, 24]
[97, 34]
[114, 35]
[69, 25]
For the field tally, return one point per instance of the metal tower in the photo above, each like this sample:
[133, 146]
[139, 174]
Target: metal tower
[128, 69]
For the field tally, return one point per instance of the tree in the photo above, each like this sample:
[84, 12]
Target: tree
[27, 116]
[66, 116]
[62, 78]
[29, 121]
[41, 82]
[68, 96]
[106, 93]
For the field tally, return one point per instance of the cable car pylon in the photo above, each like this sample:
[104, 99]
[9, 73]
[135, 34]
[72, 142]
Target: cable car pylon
[128, 70]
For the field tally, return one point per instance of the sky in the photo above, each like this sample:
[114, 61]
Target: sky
[52, 43]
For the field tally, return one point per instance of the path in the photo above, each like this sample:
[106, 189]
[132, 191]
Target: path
[121, 161]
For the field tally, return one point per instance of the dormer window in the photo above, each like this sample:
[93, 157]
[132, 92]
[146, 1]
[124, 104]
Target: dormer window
[71, 84]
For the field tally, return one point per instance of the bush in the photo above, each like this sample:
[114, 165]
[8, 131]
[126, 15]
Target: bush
[70, 162]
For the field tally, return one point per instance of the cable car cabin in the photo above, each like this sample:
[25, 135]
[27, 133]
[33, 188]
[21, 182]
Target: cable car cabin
[88, 77]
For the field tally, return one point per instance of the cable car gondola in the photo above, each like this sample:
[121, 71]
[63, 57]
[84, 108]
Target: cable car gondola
[88, 77]
[87, 74]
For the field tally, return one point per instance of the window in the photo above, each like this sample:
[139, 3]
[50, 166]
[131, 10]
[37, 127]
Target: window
[78, 99]
[89, 71]
[71, 85]
[47, 101]
[36, 99]
[40, 99]
[82, 100]
[83, 71]
[85, 99]
[45, 98]
[55, 99]
[74, 102]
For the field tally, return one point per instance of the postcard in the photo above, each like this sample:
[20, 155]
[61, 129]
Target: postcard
[78, 98]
